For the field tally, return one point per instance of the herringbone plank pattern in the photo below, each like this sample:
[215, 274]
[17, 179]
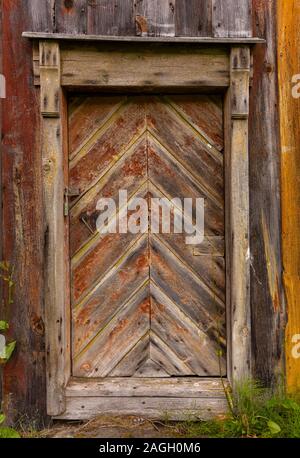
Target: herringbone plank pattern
[145, 305]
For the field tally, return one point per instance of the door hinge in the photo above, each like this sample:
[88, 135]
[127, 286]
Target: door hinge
[67, 194]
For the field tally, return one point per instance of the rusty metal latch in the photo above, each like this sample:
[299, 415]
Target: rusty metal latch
[67, 194]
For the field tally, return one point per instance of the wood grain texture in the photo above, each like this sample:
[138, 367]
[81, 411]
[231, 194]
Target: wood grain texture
[132, 317]
[176, 397]
[155, 17]
[288, 61]
[71, 16]
[42, 15]
[232, 18]
[267, 295]
[106, 17]
[50, 79]
[177, 409]
[141, 39]
[151, 18]
[192, 387]
[193, 18]
[57, 318]
[239, 215]
[22, 223]
[138, 67]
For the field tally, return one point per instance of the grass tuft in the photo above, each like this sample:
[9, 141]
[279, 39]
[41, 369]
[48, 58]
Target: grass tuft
[257, 412]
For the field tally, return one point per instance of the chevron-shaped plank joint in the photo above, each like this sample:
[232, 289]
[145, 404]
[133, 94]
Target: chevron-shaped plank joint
[49, 60]
[146, 305]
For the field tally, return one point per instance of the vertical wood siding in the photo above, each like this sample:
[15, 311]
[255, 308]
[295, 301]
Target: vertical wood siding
[106, 17]
[211, 18]
[70, 16]
[289, 58]
[231, 18]
[24, 387]
[193, 19]
[267, 297]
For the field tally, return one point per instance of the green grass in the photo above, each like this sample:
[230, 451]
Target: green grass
[256, 413]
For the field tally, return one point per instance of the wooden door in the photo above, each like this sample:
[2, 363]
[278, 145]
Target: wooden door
[144, 304]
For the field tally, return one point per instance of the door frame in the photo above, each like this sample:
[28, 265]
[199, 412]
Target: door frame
[63, 65]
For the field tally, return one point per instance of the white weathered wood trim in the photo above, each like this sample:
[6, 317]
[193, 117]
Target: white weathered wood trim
[56, 323]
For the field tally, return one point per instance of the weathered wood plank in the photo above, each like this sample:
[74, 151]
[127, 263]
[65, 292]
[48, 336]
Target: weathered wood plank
[267, 295]
[86, 117]
[117, 338]
[56, 318]
[193, 18]
[135, 39]
[239, 216]
[232, 18]
[42, 15]
[178, 182]
[134, 360]
[71, 16]
[206, 259]
[121, 67]
[106, 17]
[227, 222]
[85, 408]
[192, 344]
[22, 222]
[155, 17]
[194, 297]
[99, 255]
[199, 162]
[110, 295]
[191, 387]
[121, 134]
[207, 120]
[288, 60]
[165, 357]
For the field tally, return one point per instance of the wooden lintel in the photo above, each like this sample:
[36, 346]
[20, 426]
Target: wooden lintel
[101, 67]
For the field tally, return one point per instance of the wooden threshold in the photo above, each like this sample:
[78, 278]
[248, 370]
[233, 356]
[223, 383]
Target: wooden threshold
[141, 39]
[172, 398]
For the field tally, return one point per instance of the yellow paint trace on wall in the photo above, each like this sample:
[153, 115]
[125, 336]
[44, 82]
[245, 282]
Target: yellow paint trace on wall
[289, 87]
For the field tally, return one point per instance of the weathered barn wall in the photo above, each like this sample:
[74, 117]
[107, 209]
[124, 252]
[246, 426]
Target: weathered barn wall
[23, 227]
[267, 296]
[289, 68]
[214, 18]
